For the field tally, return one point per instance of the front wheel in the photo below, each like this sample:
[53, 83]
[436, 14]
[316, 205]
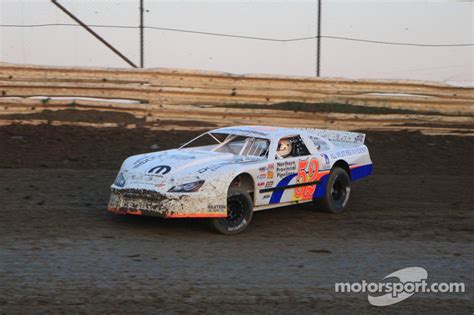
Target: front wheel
[239, 213]
[337, 192]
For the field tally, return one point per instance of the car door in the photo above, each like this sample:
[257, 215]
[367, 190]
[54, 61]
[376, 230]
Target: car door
[295, 175]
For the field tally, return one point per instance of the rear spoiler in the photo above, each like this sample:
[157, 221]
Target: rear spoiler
[336, 135]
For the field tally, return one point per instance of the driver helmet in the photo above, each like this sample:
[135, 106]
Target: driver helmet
[284, 148]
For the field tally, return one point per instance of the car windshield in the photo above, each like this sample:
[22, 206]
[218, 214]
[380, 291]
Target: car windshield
[229, 143]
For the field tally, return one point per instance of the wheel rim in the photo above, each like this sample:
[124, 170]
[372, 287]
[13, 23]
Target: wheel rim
[339, 192]
[235, 212]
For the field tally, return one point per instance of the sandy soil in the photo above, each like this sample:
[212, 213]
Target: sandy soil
[60, 251]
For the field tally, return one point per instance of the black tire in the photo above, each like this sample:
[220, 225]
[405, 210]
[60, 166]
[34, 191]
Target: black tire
[337, 192]
[239, 213]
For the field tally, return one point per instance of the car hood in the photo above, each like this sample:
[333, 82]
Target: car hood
[176, 164]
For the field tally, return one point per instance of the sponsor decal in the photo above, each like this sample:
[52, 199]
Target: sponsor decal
[327, 162]
[180, 156]
[160, 170]
[359, 138]
[261, 184]
[211, 168]
[216, 208]
[269, 184]
[266, 196]
[262, 176]
[285, 168]
[262, 169]
[270, 174]
[271, 167]
[349, 152]
[144, 160]
[326, 159]
[338, 136]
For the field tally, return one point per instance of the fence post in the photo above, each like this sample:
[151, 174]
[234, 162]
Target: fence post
[318, 50]
[87, 28]
[142, 42]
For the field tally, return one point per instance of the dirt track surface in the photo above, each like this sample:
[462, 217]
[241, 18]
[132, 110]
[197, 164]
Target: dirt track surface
[60, 251]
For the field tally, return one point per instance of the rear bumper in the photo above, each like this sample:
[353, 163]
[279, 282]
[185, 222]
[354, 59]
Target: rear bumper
[152, 203]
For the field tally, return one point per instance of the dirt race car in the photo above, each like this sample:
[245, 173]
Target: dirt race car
[226, 174]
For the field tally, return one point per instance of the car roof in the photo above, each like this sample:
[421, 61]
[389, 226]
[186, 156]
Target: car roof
[268, 132]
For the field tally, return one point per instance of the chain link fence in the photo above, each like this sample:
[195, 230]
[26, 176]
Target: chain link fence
[358, 40]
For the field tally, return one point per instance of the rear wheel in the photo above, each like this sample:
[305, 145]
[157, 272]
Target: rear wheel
[337, 192]
[239, 213]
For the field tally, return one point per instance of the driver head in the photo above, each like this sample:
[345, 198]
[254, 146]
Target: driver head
[284, 148]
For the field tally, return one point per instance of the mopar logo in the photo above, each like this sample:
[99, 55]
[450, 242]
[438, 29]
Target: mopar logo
[160, 170]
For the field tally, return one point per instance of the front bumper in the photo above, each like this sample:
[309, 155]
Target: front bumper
[153, 203]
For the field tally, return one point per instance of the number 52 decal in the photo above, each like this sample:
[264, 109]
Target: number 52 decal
[306, 176]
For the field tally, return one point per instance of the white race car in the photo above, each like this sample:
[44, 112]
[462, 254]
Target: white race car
[227, 173]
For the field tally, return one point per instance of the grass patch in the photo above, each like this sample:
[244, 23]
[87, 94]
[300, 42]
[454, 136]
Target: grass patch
[45, 101]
